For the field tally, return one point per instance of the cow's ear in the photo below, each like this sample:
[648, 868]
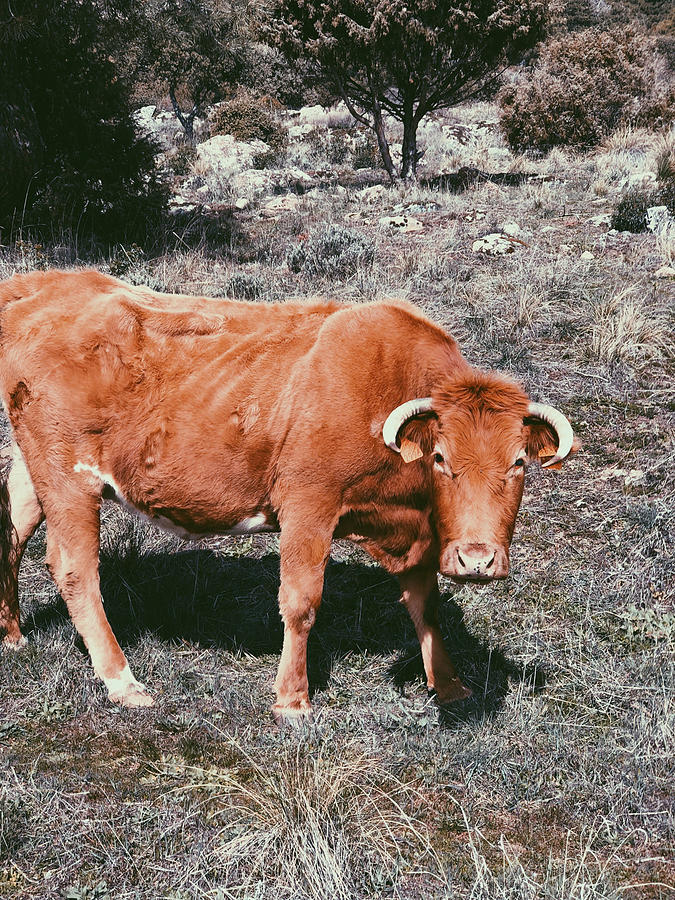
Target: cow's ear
[418, 437]
[541, 442]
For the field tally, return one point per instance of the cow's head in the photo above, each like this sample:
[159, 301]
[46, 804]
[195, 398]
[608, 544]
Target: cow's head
[477, 432]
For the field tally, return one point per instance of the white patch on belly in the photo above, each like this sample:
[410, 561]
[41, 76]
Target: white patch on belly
[101, 476]
[249, 525]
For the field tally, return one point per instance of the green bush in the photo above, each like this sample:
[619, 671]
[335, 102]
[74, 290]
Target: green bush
[631, 211]
[334, 251]
[247, 119]
[583, 86]
[182, 160]
[71, 158]
[245, 286]
[366, 153]
[268, 72]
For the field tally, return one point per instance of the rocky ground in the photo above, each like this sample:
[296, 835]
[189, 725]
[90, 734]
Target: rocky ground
[555, 781]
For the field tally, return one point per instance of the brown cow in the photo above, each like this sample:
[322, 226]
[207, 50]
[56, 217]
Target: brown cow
[320, 420]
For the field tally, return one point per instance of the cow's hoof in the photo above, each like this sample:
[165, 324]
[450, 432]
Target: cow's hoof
[125, 690]
[13, 643]
[452, 692]
[134, 696]
[292, 716]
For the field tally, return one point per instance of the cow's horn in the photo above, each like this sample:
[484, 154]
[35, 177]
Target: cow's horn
[398, 418]
[561, 426]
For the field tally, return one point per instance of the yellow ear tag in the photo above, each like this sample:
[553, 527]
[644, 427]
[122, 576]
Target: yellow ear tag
[410, 451]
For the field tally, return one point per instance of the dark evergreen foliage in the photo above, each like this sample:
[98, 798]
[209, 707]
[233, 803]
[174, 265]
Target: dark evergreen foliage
[192, 49]
[405, 59]
[71, 157]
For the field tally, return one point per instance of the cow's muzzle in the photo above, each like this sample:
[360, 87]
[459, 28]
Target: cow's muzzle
[474, 562]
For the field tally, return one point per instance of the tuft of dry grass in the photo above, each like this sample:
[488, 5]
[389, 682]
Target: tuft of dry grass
[625, 326]
[317, 824]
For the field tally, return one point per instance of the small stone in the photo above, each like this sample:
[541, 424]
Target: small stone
[600, 221]
[665, 272]
[403, 224]
[242, 202]
[284, 203]
[512, 229]
[587, 255]
[496, 244]
[658, 218]
[635, 478]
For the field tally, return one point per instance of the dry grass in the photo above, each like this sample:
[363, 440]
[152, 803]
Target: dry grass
[626, 326]
[555, 782]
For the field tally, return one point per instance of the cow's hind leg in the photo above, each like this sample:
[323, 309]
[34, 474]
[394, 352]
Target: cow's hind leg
[20, 515]
[303, 562]
[72, 558]
[419, 594]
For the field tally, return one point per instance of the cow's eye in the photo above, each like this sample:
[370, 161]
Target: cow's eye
[519, 463]
[438, 459]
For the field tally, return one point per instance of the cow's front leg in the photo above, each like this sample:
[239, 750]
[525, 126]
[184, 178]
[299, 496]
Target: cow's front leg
[303, 562]
[420, 596]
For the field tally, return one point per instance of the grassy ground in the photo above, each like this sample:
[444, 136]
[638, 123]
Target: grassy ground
[555, 780]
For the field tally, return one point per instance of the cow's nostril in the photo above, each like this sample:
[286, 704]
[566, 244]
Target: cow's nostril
[460, 560]
[489, 564]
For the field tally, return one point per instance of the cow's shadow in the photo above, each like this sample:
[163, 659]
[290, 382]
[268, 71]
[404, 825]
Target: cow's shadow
[199, 595]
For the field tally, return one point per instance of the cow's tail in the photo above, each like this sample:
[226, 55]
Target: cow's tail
[7, 545]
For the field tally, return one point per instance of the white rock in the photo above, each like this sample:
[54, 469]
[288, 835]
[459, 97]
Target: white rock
[284, 203]
[496, 244]
[313, 116]
[374, 194]
[298, 132]
[634, 478]
[599, 221]
[641, 179]
[658, 218]
[587, 255]
[242, 203]
[225, 157]
[403, 224]
[665, 272]
[512, 229]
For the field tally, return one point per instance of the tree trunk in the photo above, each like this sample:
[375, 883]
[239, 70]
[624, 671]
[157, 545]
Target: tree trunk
[187, 121]
[382, 143]
[409, 156]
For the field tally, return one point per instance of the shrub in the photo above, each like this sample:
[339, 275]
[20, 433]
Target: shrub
[366, 153]
[334, 251]
[182, 160]
[247, 119]
[583, 86]
[267, 71]
[71, 158]
[631, 211]
[245, 286]
[330, 144]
